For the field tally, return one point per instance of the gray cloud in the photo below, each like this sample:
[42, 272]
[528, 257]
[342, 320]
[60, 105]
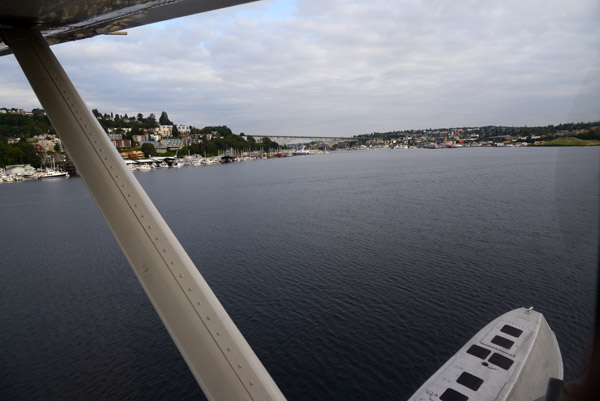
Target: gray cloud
[346, 67]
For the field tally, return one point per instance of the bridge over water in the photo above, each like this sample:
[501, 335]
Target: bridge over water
[286, 140]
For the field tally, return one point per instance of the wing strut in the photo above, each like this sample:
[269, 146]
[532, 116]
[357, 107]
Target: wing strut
[216, 352]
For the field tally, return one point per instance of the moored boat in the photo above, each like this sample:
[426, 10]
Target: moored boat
[51, 173]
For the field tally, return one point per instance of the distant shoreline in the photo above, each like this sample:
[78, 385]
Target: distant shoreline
[571, 141]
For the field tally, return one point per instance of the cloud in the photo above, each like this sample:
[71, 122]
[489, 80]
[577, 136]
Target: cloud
[346, 67]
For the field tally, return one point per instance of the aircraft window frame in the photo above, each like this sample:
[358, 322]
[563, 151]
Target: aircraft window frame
[501, 361]
[511, 331]
[478, 351]
[502, 342]
[452, 395]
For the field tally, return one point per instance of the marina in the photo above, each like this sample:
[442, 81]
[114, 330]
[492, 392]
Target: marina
[25, 172]
[18, 173]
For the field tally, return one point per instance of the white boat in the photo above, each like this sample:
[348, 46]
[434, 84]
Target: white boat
[132, 164]
[511, 358]
[51, 173]
[210, 161]
[187, 160]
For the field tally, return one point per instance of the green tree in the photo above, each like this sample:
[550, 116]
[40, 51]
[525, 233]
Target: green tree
[13, 155]
[150, 122]
[148, 149]
[164, 119]
[175, 132]
[211, 149]
[3, 150]
[268, 144]
[29, 154]
[220, 130]
[57, 147]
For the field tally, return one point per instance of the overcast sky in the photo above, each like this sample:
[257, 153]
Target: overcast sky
[345, 67]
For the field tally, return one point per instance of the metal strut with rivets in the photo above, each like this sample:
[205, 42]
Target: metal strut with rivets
[216, 352]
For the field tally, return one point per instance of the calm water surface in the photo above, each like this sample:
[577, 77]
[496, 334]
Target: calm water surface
[353, 275]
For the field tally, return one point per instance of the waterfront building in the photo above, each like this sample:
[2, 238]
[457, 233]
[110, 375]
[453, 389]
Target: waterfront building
[140, 138]
[183, 129]
[134, 154]
[121, 143]
[19, 170]
[160, 148]
[164, 130]
[47, 144]
[172, 143]
[120, 130]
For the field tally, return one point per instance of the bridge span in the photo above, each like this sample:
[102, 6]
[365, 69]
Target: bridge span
[286, 140]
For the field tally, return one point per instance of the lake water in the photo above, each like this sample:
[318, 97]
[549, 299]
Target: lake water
[353, 275]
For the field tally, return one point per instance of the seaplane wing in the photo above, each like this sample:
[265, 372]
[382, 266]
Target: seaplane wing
[217, 354]
[67, 20]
